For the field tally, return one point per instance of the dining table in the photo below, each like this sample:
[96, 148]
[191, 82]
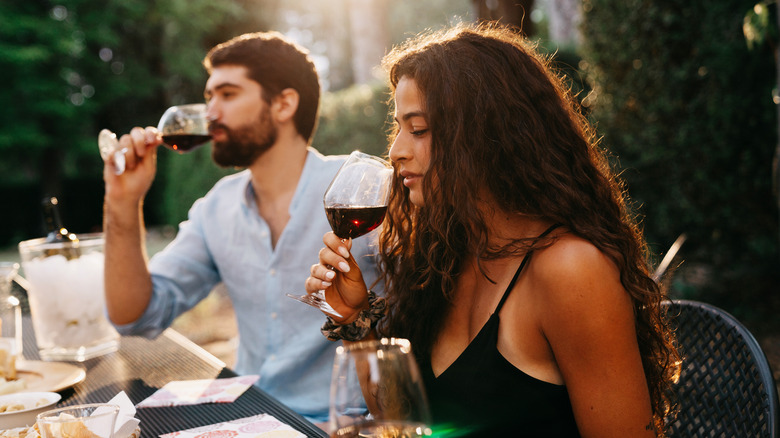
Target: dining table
[141, 366]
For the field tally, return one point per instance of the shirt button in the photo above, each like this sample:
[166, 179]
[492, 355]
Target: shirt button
[272, 272]
[272, 357]
[273, 315]
[264, 234]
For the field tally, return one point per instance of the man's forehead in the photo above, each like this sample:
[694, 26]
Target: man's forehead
[227, 74]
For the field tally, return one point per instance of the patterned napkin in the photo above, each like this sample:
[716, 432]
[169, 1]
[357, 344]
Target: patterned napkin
[258, 426]
[194, 392]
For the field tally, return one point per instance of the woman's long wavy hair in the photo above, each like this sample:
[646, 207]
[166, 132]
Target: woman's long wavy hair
[502, 122]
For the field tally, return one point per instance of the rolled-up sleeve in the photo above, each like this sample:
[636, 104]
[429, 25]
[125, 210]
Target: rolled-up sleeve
[182, 275]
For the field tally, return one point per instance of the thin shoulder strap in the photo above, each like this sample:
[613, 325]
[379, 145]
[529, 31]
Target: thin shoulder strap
[520, 268]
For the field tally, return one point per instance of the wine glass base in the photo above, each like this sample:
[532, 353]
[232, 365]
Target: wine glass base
[316, 300]
[109, 147]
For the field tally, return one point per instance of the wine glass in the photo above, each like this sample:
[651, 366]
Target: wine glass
[355, 203]
[381, 375]
[183, 128]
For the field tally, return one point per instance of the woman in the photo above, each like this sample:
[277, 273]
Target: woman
[510, 259]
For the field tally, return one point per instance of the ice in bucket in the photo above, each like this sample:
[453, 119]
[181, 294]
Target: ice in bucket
[67, 301]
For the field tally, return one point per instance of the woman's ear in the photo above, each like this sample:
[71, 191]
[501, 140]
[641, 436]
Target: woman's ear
[285, 105]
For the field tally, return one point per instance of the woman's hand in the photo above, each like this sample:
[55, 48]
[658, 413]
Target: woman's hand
[339, 275]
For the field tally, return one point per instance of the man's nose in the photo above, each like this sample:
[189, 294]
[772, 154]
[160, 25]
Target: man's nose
[212, 113]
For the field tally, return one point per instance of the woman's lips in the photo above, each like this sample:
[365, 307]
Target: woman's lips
[410, 178]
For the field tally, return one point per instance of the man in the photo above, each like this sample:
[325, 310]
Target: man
[256, 231]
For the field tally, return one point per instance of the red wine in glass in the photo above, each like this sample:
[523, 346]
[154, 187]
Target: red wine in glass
[355, 203]
[184, 142]
[183, 128]
[350, 221]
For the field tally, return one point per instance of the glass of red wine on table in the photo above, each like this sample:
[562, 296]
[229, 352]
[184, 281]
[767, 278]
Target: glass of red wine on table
[355, 204]
[183, 128]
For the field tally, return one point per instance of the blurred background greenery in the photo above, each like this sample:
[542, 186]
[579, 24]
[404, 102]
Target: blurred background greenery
[683, 94]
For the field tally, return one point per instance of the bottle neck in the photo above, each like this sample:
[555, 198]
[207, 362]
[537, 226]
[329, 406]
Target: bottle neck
[55, 230]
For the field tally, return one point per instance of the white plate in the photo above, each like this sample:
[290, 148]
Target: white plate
[26, 417]
[48, 376]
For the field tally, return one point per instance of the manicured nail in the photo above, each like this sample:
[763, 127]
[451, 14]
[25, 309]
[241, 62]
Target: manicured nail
[326, 284]
[343, 266]
[329, 275]
[343, 251]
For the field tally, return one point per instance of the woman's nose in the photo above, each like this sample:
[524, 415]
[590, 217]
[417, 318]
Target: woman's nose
[397, 149]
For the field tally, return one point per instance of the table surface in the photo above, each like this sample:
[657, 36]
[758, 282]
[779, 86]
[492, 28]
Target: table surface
[141, 366]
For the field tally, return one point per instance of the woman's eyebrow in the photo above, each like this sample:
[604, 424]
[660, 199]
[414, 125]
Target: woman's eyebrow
[409, 115]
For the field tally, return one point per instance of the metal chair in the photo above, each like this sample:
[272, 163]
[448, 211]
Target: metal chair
[726, 388]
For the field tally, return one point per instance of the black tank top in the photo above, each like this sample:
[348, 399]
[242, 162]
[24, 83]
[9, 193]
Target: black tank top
[483, 394]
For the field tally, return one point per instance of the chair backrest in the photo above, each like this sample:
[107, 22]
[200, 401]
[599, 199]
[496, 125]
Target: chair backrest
[726, 388]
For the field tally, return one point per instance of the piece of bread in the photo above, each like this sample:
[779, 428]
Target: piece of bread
[7, 365]
[33, 432]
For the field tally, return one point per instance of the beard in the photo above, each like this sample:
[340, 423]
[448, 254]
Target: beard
[245, 143]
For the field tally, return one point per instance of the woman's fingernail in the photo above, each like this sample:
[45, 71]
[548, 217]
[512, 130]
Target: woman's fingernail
[343, 251]
[329, 275]
[326, 284]
[343, 266]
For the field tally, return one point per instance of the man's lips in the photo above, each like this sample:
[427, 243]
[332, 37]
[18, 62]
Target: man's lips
[217, 134]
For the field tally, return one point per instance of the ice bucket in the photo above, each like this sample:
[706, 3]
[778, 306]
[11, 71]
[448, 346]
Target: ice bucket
[67, 300]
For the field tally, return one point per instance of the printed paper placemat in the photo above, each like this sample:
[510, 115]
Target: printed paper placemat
[193, 392]
[258, 426]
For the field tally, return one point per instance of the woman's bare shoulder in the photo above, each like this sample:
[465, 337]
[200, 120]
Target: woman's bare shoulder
[574, 273]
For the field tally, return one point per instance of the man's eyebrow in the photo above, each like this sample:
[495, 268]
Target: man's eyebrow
[209, 91]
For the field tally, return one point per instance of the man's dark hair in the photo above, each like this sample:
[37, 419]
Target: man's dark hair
[275, 63]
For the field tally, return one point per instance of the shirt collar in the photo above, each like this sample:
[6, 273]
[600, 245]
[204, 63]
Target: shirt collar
[248, 198]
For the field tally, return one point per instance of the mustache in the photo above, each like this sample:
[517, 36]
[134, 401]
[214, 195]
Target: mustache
[214, 126]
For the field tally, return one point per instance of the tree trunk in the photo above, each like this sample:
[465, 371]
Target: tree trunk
[369, 38]
[565, 17]
[515, 12]
[339, 45]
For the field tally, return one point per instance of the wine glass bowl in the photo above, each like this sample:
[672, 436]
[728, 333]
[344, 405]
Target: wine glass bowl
[355, 204]
[377, 391]
[184, 127]
[356, 200]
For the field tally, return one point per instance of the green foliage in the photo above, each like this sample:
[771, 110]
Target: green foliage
[757, 25]
[354, 118]
[72, 67]
[687, 109]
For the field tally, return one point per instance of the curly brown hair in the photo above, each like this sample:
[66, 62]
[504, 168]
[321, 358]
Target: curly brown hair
[502, 121]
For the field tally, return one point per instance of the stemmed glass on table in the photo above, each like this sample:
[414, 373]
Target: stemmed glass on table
[382, 375]
[183, 128]
[355, 203]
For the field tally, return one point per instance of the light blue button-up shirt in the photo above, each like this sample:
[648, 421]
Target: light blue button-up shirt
[225, 239]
